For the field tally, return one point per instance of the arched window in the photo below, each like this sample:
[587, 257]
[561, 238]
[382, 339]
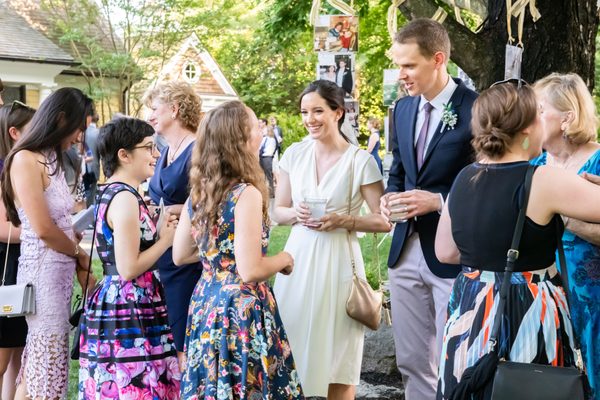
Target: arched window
[191, 72]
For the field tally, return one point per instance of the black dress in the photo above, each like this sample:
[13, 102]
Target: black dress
[13, 331]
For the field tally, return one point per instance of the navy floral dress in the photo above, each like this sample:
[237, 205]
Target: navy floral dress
[235, 344]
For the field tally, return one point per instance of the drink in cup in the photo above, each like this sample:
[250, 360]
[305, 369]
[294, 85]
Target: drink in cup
[317, 207]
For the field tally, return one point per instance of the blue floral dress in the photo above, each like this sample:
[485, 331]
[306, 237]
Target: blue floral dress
[583, 260]
[235, 344]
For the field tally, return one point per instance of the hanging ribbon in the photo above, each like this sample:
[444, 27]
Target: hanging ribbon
[517, 10]
[392, 17]
[339, 5]
[440, 15]
[456, 12]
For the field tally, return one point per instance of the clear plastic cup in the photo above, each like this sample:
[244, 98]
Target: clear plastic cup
[317, 206]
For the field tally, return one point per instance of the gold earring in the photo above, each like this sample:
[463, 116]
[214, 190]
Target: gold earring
[525, 144]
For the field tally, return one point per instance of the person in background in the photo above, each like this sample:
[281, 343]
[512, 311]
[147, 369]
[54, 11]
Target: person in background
[343, 77]
[92, 161]
[36, 195]
[329, 74]
[374, 125]
[277, 132]
[226, 226]
[176, 113]
[13, 331]
[327, 344]
[570, 125]
[130, 354]
[335, 31]
[425, 163]
[72, 165]
[476, 230]
[267, 150]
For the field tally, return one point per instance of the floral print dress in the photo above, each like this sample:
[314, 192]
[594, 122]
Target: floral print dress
[235, 344]
[127, 350]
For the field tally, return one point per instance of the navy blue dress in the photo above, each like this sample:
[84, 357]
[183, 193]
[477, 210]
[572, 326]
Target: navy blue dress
[171, 183]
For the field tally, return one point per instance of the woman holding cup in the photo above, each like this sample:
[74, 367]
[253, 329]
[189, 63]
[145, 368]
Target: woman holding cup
[315, 178]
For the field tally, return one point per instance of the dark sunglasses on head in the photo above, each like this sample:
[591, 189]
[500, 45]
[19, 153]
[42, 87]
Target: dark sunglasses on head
[518, 82]
[18, 104]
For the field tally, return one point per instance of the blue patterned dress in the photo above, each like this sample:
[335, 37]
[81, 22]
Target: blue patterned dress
[235, 344]
[583, 260]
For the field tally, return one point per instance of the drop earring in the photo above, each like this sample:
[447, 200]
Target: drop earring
[173, 116]
[525, 143]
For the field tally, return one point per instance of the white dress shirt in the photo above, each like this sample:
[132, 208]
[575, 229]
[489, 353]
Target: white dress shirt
[436, 113]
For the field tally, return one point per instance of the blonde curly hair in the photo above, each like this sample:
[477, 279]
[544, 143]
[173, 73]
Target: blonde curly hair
[181, 95]
[221, 158]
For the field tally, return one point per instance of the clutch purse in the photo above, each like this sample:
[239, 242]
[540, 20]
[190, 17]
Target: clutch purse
[15, 300]
[364, 304]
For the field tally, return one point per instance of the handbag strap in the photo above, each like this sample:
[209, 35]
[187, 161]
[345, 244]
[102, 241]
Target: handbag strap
[6, 255]
[350, 186]
[511, 258]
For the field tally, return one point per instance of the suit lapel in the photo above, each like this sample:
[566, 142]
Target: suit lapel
[456, 100]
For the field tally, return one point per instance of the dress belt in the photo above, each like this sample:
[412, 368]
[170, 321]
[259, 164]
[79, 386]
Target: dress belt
[111, 269]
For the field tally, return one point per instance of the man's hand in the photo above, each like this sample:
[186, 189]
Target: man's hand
[414, 202]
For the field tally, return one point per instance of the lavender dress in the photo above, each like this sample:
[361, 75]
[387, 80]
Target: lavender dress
[45, 359]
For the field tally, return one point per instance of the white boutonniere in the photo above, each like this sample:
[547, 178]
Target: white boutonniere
[449, 117]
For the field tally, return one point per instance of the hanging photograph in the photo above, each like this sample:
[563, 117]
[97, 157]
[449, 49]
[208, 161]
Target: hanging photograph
[391, 86]
[350, 125]
[336, 33]
[338, 68]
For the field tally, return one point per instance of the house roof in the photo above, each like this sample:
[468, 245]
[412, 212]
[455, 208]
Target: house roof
[20, 41]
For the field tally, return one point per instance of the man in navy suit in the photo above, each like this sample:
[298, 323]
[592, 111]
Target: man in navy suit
[430, 145]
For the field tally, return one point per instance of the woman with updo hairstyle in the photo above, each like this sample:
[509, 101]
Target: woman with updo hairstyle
[14, 119]
[323, 183]
[176, 113]
[126, 343]
[236, 346]
[570, 124]
[476, 229]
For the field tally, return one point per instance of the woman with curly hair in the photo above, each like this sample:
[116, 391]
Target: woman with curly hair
[235, 344]
[176, 113]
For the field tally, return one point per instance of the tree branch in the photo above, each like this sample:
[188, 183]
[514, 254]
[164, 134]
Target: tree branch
[468, 48]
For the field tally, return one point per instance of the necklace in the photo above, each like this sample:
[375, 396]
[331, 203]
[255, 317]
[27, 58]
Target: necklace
[172, 155]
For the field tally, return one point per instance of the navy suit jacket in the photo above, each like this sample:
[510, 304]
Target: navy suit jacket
[448, 153]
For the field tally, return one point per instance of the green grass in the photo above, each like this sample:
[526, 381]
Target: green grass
[278, 238]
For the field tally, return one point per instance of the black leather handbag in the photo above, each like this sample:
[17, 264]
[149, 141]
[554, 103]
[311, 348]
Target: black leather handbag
[525, 381]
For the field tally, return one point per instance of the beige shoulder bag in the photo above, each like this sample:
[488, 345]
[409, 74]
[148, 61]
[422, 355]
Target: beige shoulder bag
[15, 300]
[364, 304]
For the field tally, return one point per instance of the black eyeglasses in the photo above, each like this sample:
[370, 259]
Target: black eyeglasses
[518, 82]
[151, 147]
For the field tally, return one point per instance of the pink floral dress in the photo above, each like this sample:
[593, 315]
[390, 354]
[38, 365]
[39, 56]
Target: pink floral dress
[127, 350]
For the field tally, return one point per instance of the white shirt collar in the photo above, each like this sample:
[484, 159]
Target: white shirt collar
[442, 98]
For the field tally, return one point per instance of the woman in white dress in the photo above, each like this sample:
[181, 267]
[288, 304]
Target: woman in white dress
[326, 343]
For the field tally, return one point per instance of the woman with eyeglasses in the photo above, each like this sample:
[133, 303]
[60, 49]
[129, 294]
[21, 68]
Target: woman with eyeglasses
[570, 124]
[127, 349]
[13, 331]
[476, 229]
[176, 112]
[36, 197]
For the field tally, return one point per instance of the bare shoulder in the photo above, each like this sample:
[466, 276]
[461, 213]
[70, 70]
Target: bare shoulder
[249, 195]
[28, 159]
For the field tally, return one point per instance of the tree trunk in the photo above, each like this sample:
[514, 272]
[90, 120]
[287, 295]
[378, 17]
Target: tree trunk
[562, 40]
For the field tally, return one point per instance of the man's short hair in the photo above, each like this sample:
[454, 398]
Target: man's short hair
[429, 35]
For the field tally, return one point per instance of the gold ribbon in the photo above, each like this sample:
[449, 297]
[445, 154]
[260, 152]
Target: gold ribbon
[339, 5]
[392, 17]
[456, 12]
[440, 15]
[517, 10]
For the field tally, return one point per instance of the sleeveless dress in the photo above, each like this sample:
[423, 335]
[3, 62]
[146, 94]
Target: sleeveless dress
[45, 358]
[484, 203]
[127, 349]
[583, 261]
[327, 343]
[236, 345]
[170, 182]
